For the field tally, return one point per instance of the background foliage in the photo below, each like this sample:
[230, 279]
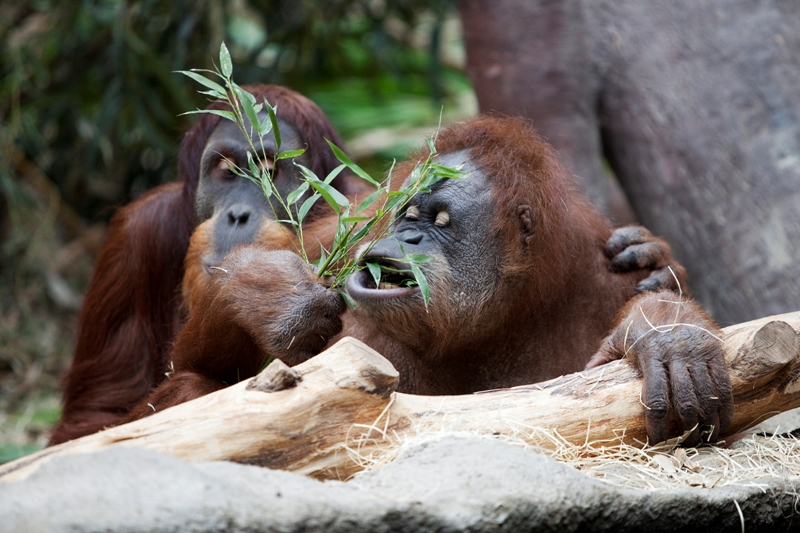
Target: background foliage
[89, 105]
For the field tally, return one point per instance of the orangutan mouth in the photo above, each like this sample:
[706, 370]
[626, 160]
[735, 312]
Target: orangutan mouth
[396, 281]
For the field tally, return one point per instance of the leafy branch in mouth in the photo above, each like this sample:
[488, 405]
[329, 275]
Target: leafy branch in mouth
[354, 223]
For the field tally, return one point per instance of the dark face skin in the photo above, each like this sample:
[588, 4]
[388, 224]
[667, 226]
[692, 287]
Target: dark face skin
[237, 203]
[452, 224]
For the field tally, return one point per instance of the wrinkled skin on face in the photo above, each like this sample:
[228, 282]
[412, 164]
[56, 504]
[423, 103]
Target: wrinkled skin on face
[449, 224]
[237, 205]
[231, 209]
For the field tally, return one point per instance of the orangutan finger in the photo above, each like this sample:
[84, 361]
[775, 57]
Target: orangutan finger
[684, 400]
[655, 397]
[636, 256]
[600, 358]
[624, 237]
[707, 400]
[657, 280]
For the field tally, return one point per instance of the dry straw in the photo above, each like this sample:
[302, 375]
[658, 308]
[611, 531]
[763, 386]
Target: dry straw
[752, 461]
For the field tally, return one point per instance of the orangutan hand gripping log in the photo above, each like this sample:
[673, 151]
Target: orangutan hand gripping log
[523, 266]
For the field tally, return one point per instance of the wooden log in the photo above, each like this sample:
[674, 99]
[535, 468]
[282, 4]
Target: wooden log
[307, 418]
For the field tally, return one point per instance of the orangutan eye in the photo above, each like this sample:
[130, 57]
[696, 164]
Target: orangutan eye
[412, 213]
[224, 169]
[442, 219]
[266, 164]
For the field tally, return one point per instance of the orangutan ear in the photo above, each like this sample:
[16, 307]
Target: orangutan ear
[525, 216]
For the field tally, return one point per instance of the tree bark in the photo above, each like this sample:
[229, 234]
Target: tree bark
[531, 59]
[309, 418]
[696, 108]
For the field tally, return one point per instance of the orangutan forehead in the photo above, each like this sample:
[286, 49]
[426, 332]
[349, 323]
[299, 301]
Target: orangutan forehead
[470, 190]
[460, 160]
[226, 131]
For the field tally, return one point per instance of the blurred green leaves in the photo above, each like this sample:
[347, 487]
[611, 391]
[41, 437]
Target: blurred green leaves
[89, 95]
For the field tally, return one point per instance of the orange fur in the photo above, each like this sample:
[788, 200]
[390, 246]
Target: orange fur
[133, 308]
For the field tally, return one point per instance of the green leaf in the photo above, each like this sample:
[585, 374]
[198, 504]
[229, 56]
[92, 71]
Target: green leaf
[225, 60]
[385, 268]
[306, 207]
[418, 258]
[361, 233]
[247, 106]
[214, 72]
[275, 128]
[347, 220]
[288, 154]
[252, 165]
[249, 96]
[348, 299]
[295, 195]
[334, 198]
[369, 200]
[388, 179]
[341, 230]
[307, 172]
[422, 282]
[323, 257]
[291, 222]
[453, 173]
[431, 147]
[335, 172]
[266, 185]
[233, 167]
[413, 178]
[212, 94]
[219, 90]
[224, 114]
[375, 270]
[394, 201]
[435, 175]
[360, 172]
[266, 126]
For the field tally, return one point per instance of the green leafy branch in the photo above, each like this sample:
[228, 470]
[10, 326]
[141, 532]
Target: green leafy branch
[337, 263]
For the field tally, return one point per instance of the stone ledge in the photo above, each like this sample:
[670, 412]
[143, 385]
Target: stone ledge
[453, 484]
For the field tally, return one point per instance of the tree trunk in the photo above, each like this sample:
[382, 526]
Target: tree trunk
[696, 107]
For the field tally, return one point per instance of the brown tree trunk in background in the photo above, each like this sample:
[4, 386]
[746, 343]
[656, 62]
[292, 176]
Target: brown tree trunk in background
[4, 221]
[695, 104]
[530, 58]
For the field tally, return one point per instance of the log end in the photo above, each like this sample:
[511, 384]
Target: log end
[357, 366]
[769, 350]
[277, 376]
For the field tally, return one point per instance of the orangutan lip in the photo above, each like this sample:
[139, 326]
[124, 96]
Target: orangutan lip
[361, 286]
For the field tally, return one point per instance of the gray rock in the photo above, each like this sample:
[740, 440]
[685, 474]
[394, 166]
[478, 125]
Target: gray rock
[454, 484]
